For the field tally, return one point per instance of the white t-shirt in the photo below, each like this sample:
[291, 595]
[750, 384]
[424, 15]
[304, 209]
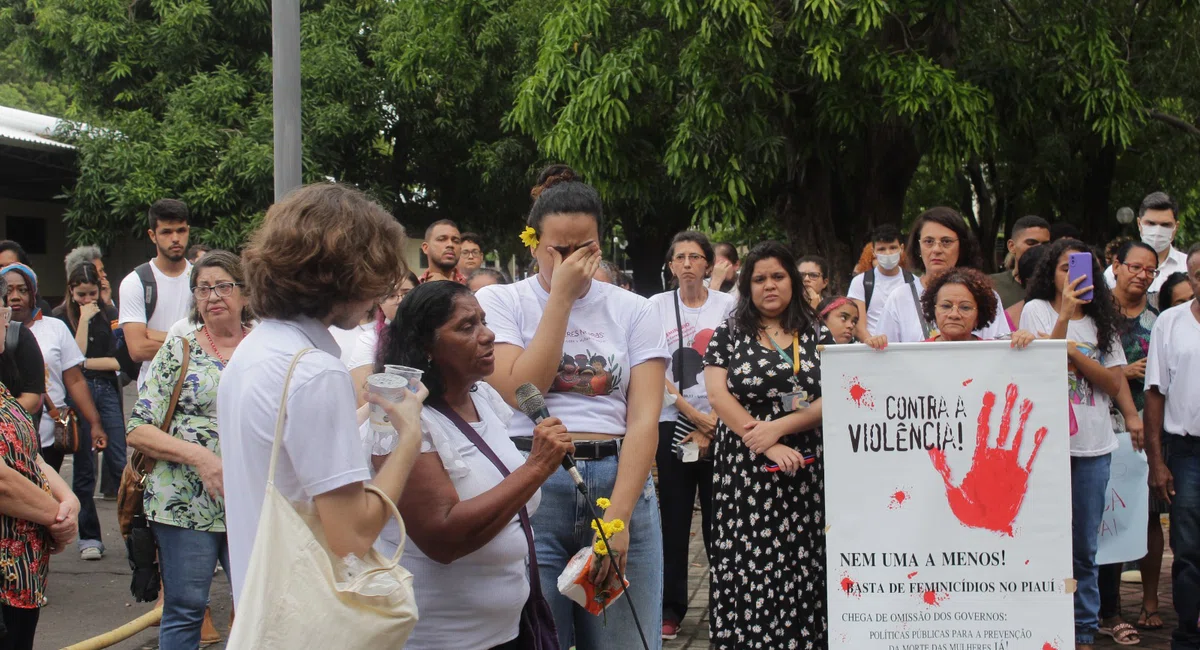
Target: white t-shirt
[1173, 366]
[174, 303]
[321, 449]
[60, 353]
[902, 324]
[182, 327]
[1091, 405]
[609, 331]
[458, 602]
[346, 339]
[884, 286]
[1176, 261]
[699, 323]
[365, 346]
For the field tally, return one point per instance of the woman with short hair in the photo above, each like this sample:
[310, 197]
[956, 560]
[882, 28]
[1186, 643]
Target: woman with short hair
[940, 240]
[961, 301]
[598, 354]
[764, 382]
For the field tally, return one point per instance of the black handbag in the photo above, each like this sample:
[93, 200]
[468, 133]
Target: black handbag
[537, 629]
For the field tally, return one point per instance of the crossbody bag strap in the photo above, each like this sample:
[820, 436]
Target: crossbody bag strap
[141, 462]
[469, 431]
[282, 417]
[675, 369]
[912, 286]
[48, 404]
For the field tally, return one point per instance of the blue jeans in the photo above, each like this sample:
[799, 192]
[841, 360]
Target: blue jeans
[1183, 459]
[107, 398]
[188, 559]
[1089, 480]
[83, 483]
[562, 526]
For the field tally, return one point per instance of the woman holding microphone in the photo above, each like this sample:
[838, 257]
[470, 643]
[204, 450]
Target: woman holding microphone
[599, 355]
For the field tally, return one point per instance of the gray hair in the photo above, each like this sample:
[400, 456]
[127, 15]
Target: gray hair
[81, 254]
[3, 291]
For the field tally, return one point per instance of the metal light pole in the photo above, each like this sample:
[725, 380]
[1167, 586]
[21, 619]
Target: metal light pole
[285, 68]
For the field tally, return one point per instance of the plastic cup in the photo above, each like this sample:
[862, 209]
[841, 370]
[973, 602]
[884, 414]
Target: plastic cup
[411, 375]
[390, 387]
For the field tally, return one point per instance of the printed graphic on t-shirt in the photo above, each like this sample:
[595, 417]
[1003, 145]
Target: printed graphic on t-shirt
[588, 374]
[1081, 390]
[687, 364]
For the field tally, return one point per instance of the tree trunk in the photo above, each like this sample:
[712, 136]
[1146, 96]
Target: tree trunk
[1099, 224]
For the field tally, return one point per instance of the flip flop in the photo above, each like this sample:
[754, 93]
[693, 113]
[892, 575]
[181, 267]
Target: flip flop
[1122, 634]
[1145, 616]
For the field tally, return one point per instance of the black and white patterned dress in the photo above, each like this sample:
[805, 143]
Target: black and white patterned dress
[768, 550]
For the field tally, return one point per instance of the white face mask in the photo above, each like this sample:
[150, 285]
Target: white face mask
[888, 261]
[1157, 237]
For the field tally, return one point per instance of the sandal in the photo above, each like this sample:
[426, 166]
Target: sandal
[1122, 633]
[1144, 620]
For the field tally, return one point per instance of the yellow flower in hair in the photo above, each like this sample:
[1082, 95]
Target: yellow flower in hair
[529, 237]
[603, 503]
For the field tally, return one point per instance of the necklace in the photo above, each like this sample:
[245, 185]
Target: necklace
[216, 350]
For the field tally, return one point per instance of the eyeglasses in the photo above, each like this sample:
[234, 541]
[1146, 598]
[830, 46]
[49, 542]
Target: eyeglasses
[469, 253]
[688, 257]
[1138, 269]
[944, 243]
[946, 308]
[810, 275]
[223, 290]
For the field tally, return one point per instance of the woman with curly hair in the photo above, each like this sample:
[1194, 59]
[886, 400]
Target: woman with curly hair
[962, 301]
[939, 241]
[1095, 362]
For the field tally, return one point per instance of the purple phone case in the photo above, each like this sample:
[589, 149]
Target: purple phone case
[1080, 265]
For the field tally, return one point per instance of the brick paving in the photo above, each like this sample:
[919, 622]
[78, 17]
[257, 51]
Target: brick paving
[693, 633]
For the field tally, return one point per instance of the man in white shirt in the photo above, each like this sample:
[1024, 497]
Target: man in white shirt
[1172, 424]
[158, 293]
[870, 290]
[64, 376]
[1158, 223]
[321, 458]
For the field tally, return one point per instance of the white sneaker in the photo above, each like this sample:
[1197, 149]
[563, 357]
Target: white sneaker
[91, 554]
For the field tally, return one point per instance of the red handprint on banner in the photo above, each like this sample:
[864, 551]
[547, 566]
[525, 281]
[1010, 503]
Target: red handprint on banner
[991, 493]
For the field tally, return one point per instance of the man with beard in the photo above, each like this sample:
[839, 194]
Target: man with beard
[441, 246]
[157, 293]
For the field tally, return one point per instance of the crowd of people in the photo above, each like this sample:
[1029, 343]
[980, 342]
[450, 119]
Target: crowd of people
[251, 374]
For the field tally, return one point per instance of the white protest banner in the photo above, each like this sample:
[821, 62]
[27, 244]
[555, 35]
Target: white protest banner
[1126, 506]
[948, 496]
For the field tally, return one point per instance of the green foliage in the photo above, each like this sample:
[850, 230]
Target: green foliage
[25, 88]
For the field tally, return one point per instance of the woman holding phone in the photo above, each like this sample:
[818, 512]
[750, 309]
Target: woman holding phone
[599, 355]
[764, 382]
[1060, 307]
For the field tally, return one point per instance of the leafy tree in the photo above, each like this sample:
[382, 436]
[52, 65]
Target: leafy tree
[28, 89]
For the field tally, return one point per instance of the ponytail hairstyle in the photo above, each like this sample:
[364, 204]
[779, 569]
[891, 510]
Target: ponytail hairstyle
[410, 337]
[83, 273]
[559, 191]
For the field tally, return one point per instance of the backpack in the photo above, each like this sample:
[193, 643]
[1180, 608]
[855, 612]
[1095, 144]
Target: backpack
[130, 367]
[869, 283]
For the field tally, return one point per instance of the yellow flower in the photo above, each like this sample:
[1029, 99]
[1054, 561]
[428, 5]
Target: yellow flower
[594, 527]
[617, 525]
[600, 547]
[529, 237]
[603, 503]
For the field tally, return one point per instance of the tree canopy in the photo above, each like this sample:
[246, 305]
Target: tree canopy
[823, 117]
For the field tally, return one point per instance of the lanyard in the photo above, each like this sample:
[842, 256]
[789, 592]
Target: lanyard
[795, 352]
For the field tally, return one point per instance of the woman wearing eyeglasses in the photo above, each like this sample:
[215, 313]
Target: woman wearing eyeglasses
[961, 301]
[940, 240]
[184, 498]
[814, 272]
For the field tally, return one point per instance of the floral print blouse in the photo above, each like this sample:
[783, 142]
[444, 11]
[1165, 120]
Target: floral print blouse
[175, 495]
[24, 545]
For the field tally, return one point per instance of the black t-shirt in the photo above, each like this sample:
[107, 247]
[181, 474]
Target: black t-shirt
[100, 339]
[23, 370]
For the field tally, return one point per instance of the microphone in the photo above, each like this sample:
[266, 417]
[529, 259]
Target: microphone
[533, 404]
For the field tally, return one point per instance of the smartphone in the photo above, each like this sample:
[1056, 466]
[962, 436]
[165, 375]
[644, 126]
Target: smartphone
[1079, 265]
[772, 467]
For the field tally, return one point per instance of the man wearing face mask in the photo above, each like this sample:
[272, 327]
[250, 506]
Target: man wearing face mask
[1158, 221]
[870, 290]
[1027, 232]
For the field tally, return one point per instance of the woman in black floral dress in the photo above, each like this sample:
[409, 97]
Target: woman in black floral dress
[768, 551]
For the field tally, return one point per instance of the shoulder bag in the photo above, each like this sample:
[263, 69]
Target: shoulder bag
[292, 596]
[66, 426]
[537, 630]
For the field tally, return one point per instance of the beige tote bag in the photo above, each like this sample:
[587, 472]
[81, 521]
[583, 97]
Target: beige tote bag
[291, 599]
